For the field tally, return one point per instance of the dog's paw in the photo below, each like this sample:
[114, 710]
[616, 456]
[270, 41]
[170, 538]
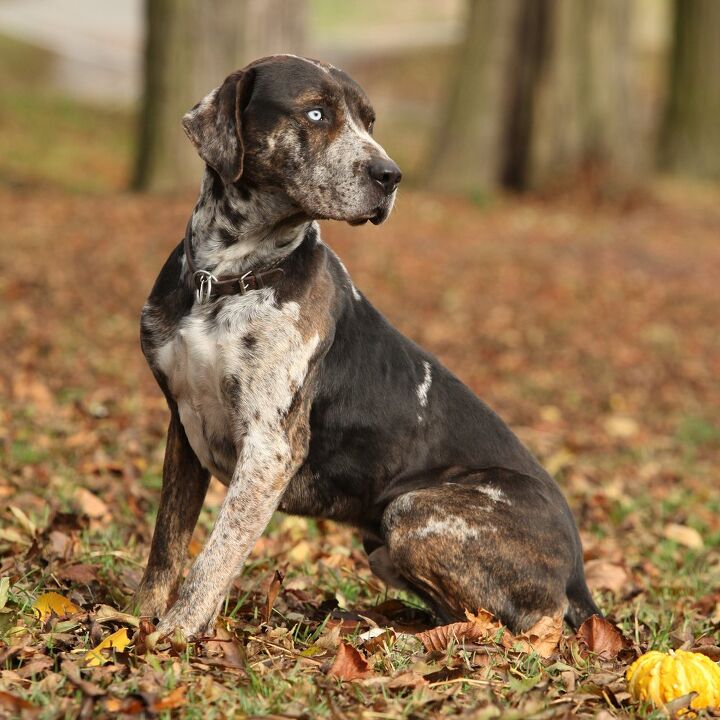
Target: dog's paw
[149, 602]
[191, 625]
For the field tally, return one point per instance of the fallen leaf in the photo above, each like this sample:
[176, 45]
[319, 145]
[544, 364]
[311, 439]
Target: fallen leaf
[349, 664]
[542, 638]
[232, 651]
[58, 545]
[23, 520]
[272, 594]
[679, 706]
[35, 667]
[484, 620]
[72, 672]
[330, 639]
[125, 706]
[105, 613]
[478, 627]
[4, 591]
[51, 602]
[712, 651]
[90, 503]
[300, 553]
[81, 573]
[401, 681]
[119, 640]
[174, 699]
[371, 633]
[568, 677]
[559, 460]
[684, 535]
[406, 680]
[619, 426]
[604, 575]
[13, 703]
[601, 637]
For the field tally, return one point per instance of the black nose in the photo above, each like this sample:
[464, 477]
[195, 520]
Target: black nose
[386, 173]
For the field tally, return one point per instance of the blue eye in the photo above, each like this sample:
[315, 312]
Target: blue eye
[315, 115]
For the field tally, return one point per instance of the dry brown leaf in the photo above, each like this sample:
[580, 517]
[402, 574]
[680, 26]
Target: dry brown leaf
[330, 639]
[225, 643]
[125, 706]
[35, 667]
[604, 575]
[619, 426]
[13, 703]
[404, 680]
[58, 545]
[30, 390]
[568, 677]
[72, 672]
[106, 613]
[684, 535]
[438, 638]
[174, 699]
[477, 627]
[542, 638]
[601, 637]
[483, 620]
[90, 504]
[81, 573]
[272, 594]
[349, 664]
[300, 552]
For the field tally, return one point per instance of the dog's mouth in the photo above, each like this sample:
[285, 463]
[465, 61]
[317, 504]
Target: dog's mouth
[377, 216]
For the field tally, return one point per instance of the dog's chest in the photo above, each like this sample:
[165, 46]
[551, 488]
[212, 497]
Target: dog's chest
[233, 366]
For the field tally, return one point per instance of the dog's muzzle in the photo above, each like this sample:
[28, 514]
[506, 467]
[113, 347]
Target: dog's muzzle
[385, 173]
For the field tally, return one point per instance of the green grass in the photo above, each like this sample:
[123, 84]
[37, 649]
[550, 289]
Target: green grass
[75, 335]
[50, 140]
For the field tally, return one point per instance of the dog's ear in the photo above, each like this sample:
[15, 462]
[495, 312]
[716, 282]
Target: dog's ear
[215, 125]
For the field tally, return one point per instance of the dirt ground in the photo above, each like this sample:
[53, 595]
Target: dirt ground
[593, 329]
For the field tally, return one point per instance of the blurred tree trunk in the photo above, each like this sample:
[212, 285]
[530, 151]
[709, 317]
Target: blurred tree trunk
[544, 89]
[469, 153]
[587, 115]
[691, 133]
[190, 47]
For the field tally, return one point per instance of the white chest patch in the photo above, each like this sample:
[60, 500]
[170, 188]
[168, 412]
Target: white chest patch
[234, 373]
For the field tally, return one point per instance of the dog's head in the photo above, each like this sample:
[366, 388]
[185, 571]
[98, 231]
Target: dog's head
[301, 127]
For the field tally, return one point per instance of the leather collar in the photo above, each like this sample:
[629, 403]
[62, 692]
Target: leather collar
[208, 286]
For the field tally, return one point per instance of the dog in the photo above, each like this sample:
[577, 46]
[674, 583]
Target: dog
[287, 385]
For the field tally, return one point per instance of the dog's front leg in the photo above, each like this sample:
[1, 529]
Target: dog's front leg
[265, 466]
[185, 483]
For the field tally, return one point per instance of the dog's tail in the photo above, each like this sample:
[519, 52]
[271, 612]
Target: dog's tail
[581, 605]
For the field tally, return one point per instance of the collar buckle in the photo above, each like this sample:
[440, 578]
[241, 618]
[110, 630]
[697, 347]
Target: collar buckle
[242, 282]
[203, 288]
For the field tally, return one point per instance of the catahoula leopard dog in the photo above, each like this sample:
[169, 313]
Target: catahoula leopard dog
[287, 385]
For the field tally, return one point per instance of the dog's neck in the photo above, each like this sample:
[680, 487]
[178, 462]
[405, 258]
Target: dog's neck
[236, 228]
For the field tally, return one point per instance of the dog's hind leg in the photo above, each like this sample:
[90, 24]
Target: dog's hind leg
[382, 566]
[185, 483]
[477, 546]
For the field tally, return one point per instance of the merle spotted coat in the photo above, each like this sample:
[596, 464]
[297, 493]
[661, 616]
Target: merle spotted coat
[300, 396]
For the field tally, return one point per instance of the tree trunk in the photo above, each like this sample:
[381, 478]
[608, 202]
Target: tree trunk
[191, 46]
[468, 154]
[544, 89]
[691, 133]
[587, 113]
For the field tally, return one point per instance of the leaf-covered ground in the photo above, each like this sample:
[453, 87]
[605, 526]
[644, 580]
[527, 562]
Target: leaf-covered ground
[592, 329]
